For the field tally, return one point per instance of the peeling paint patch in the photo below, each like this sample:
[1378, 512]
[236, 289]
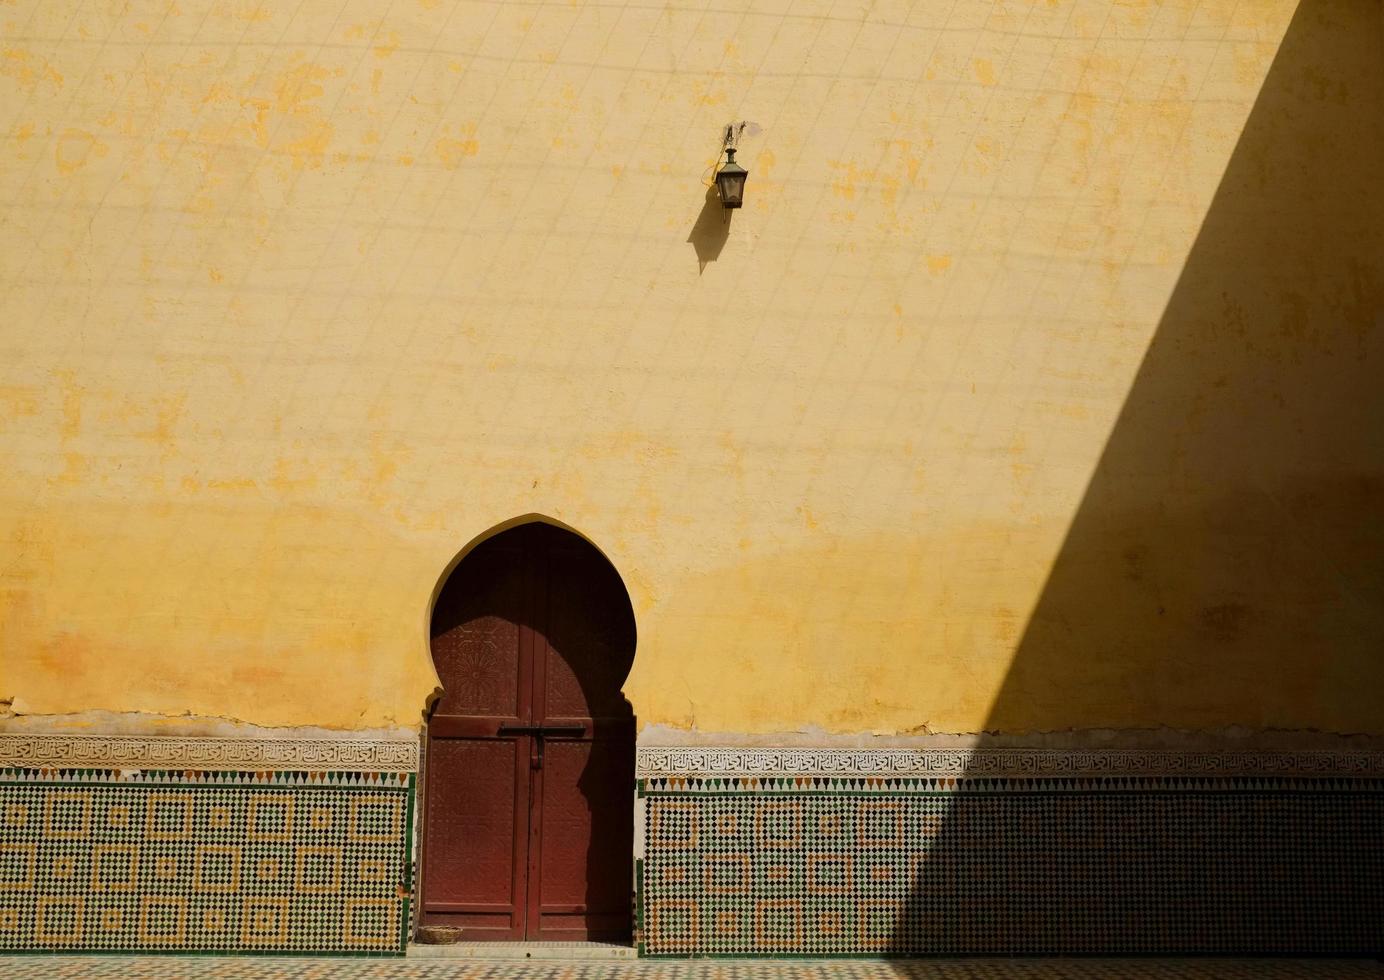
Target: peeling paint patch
[452, 151]
[28, 69]
[74, 148]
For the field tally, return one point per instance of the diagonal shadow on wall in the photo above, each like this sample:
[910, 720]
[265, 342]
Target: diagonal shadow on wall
[1227, 561]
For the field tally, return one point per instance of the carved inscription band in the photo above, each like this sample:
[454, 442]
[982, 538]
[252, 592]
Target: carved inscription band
[988, 763]
[397, 755]
[168, 752]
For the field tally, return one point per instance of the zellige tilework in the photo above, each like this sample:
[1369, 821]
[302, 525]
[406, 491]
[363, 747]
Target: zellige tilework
[814, 866]
[197, 861]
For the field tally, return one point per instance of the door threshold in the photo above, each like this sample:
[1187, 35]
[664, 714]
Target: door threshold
[521, 951]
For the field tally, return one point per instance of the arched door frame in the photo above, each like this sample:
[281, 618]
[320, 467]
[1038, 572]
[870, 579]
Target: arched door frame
[420, 790]
[460, 556]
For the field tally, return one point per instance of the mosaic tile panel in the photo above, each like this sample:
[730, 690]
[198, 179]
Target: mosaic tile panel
[203, 861]
[807, 866]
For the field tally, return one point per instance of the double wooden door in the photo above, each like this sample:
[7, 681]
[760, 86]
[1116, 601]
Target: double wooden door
[528, 820]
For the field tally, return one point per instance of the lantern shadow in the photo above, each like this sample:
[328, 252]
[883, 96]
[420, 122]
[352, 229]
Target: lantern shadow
[709, 234]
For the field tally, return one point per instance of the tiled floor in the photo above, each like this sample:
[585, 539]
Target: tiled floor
[256, 968]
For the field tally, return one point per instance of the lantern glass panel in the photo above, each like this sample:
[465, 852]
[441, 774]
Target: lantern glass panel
[732, 189]
[730, 181]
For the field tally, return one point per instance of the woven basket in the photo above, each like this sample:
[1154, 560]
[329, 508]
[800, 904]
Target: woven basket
[439, 935]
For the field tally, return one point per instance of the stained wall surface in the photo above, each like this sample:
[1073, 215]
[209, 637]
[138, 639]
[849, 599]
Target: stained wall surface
[300, 299]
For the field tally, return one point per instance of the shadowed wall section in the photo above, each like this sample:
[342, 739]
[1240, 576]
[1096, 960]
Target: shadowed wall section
[1232, 530]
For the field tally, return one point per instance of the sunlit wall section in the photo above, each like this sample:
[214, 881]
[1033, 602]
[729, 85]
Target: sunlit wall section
[299, 300]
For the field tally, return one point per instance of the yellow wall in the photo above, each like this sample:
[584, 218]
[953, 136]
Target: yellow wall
[301, 298]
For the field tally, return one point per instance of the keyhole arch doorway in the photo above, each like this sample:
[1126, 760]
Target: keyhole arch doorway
[527, 816]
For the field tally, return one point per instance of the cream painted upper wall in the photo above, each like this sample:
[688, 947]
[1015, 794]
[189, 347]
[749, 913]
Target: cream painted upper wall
[300, 298]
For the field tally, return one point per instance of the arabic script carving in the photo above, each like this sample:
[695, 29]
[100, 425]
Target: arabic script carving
[168, 752]
[984, 763]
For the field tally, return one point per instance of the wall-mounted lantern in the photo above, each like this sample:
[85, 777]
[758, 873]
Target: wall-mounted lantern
[730, 181]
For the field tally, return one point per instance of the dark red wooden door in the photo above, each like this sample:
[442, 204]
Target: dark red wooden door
[528, 828]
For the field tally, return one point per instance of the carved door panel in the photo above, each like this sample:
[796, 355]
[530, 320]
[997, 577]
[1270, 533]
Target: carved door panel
[477, 778]
[528, 817]
[580, 864]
